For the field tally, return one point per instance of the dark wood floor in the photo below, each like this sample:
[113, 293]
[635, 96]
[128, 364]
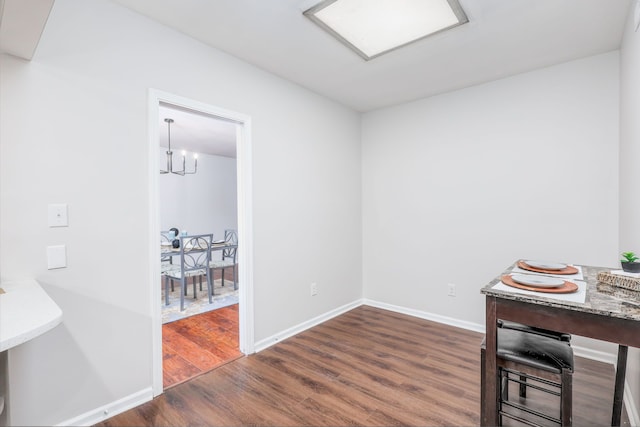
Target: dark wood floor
[367, 367]
[198, 344]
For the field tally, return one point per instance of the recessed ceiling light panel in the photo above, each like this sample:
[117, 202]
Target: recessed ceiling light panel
[374, 27]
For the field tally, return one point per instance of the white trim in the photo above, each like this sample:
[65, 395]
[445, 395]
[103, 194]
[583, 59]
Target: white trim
[274, 339]
[600, 356]
[245, 234]
[597, 355]
[630, 405]
[585, 352]
[153, 111]
[112, 409]
[463, 324]
[143, 396]
[245, 222]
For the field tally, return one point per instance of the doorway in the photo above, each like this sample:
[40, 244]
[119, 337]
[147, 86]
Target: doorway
[157, 101]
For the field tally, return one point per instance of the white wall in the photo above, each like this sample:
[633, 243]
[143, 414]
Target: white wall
[629, 170]
[205, 202]
[74, 130]
[458, 186]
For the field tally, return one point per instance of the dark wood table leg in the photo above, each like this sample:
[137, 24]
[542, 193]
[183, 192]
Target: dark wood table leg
[618, 394]
[489, 405]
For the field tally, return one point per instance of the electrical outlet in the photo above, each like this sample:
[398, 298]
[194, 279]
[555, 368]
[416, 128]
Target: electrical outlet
[451, 290]
[314, 289]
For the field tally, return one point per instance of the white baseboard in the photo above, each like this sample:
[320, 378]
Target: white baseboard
[268, 342]
[600, 356]
[99, 414]
[111, 409]
[463, 324]
[631, 406]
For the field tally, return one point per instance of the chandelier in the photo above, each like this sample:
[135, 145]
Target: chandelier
[184, 156]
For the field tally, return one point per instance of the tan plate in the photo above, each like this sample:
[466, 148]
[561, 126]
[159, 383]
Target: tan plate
[569, 270]
[566, 288]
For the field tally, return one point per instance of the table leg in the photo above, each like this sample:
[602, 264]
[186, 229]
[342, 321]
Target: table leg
[618, 394]
[489, 402]
[4, 389]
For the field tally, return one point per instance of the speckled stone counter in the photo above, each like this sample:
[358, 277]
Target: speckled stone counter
[601, 299]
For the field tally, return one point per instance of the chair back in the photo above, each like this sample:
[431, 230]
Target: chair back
[230, 238]
[195, 252]
[165, 247]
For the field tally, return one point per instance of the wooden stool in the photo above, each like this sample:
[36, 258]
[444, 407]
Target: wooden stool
[538, 362]
[533, 330]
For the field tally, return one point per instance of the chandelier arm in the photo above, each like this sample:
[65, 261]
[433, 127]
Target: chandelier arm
[170, 156]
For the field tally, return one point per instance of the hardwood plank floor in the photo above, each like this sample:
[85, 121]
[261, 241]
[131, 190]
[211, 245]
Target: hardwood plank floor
[198, 344]
[367, 367]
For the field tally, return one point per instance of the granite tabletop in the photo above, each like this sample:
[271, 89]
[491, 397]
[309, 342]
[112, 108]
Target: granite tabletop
[601, 299]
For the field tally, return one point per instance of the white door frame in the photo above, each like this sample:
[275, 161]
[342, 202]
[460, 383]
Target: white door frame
[245, 222]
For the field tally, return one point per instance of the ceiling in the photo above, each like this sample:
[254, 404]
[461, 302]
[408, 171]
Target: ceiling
[196, 132]
[502, 38]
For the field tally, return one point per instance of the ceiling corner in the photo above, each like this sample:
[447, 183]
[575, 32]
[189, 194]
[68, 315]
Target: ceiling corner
[21, 25]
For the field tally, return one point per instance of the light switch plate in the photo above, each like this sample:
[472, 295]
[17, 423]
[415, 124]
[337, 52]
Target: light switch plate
[56, 257]
[58, 215]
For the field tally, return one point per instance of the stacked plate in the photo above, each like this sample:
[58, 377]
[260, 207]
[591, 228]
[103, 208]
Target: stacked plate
[544, 265]
[537, 281]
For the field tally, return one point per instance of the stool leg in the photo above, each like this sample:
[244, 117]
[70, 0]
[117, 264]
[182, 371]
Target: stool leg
[566, 397]
[523, 387]
[501, 394]
[504, 385]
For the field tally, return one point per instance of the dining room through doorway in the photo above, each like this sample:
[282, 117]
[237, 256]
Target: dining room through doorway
[198, 195]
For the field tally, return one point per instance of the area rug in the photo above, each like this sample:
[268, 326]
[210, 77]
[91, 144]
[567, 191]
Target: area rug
[223, 296]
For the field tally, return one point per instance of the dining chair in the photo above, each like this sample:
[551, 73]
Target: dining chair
[195, 256]
[229, 257]
[166, 257]
[546, 362]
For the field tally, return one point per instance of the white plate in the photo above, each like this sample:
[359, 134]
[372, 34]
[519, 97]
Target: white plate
[537, 281]
[544, 265]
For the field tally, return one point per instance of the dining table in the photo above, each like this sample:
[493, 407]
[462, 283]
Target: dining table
[595, 310]
[167, 250]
